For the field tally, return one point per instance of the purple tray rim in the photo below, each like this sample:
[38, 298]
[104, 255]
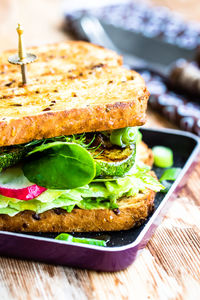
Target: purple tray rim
[154, 216]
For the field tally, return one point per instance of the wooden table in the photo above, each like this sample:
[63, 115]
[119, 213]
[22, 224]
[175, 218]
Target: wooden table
[169, 266]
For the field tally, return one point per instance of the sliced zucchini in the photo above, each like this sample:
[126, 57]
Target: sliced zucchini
[10, 156]
[115, 161]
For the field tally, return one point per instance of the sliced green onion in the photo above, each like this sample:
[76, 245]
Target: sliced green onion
[116, 137]
[163, 156]
[170, 174]
[130, 135]
[69, 238]
[124, 136]
[64, 237]
[90, 241]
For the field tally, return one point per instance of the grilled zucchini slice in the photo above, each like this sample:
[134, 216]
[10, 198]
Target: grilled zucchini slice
[115, 161]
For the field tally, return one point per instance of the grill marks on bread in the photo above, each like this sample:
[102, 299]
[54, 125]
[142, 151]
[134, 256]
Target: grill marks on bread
[75, 87]
[64, 87]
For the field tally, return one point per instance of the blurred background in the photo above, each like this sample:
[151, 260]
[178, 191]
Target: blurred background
[159, 38]
[43, 19]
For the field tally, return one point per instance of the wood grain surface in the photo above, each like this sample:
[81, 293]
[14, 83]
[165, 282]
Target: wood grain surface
[189, 9]
[168, 268]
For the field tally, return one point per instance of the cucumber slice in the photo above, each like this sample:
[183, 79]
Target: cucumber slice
[115, 161]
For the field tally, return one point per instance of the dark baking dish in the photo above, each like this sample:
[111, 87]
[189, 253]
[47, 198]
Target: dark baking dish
[123, 246]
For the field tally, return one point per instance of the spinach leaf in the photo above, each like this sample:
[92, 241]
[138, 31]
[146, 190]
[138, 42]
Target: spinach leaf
[59, 165]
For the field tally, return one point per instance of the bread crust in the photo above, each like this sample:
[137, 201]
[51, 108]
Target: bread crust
[51, 124]
[84, 91]
[132, 210]
[145, 154]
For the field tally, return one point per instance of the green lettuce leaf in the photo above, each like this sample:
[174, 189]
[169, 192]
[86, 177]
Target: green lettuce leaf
[9, 211]
[92, 196]
[93, 204]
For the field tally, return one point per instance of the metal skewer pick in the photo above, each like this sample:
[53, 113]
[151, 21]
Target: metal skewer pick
[22, 58]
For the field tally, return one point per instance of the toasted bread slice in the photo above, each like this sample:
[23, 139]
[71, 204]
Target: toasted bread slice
[74, 87]
[145, 154]
[132, 211]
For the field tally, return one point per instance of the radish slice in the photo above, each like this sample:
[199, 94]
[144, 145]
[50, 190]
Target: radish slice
[27, 193]
[14, 184]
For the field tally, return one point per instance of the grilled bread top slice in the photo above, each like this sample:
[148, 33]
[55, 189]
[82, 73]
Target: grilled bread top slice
[74, 87]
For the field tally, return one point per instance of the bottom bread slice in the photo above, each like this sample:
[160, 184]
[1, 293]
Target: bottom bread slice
[131, 211]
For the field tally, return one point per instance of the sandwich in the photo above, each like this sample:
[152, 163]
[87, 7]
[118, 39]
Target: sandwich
[71, 154]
